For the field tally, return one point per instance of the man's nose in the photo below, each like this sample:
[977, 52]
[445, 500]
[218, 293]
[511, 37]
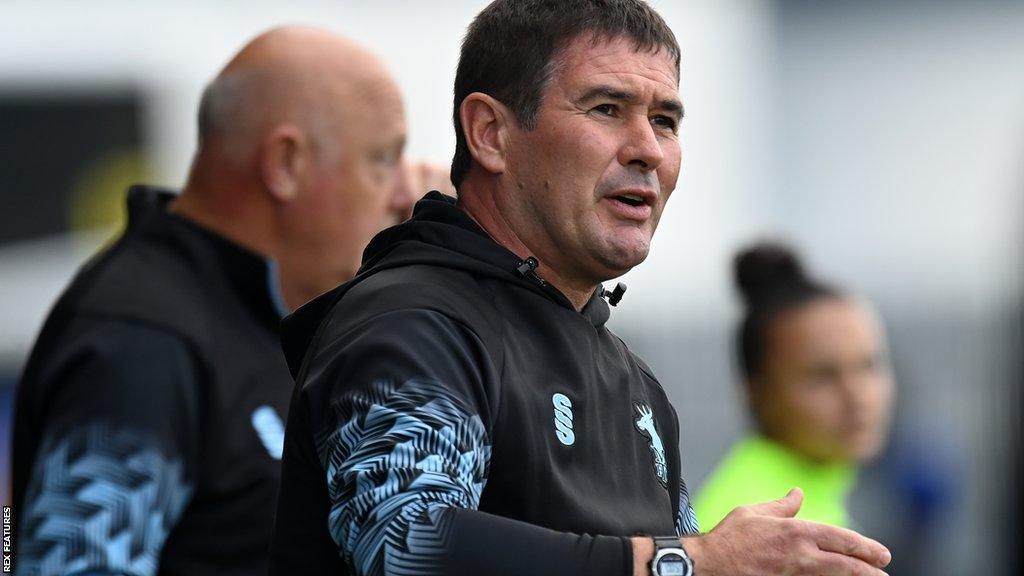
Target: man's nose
[641, 148]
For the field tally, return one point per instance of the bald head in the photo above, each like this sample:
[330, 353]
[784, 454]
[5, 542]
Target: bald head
[304, 76]
[300, 146]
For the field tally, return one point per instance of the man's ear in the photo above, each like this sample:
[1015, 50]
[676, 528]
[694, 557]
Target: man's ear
[485, 124]
[283, 158]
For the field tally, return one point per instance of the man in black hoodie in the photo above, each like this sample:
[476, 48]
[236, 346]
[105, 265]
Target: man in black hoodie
[460, 406]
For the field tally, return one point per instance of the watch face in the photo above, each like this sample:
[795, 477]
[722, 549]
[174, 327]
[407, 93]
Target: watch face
[672, 565]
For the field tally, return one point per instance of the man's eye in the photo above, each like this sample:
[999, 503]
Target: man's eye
[666, 122]
[605, 109]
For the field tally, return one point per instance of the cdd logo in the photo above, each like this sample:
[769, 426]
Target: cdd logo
[563, 419]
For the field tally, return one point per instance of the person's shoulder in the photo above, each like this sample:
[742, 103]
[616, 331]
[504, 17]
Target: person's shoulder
[129, 352]
[417, 280]
[138, 265]
[370, 304]
[455, 294]
[126, 362]
[142, 279]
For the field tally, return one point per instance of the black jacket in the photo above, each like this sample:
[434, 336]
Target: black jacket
[454, 414]
[147, 436]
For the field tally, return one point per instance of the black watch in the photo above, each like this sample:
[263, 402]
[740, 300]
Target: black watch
[670, 559]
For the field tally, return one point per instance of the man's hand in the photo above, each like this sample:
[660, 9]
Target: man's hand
[766, 539]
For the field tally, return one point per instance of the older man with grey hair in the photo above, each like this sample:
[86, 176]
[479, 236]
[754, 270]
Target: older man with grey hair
[149, 419]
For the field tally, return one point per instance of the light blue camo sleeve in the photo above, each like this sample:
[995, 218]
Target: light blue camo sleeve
[103, 503]
[406, 454]
[686, 518]
[117, 458]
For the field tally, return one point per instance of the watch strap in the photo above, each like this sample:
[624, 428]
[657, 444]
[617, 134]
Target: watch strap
[662, 542]
[675, 545]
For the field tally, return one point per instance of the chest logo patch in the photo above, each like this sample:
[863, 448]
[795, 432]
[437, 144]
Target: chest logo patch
[563, 419]
[270, 429]
[645, 424]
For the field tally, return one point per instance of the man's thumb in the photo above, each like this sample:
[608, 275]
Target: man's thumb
[785, 507]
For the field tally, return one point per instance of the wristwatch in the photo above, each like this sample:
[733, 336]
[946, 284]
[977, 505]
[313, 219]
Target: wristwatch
[670, 559]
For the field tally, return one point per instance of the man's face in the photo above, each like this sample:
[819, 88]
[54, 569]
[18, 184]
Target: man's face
[354, 187]
[584, 189]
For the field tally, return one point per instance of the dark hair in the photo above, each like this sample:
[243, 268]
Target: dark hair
[771, 280]
[510, 50]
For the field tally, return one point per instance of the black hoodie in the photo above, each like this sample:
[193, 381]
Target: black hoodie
[454, 414]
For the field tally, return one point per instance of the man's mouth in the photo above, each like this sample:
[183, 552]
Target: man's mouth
[637, 205]
[631, 199]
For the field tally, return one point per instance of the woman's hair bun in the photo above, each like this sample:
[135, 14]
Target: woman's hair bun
[768, 271]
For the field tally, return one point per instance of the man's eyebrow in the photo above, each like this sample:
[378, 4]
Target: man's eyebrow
[670, 105]
[608, 92]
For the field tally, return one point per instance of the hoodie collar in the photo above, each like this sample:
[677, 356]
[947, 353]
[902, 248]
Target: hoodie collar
[440, 234]
[437, 220]
[251, 277]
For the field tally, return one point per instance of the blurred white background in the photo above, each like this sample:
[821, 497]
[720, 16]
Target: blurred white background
[886, 139]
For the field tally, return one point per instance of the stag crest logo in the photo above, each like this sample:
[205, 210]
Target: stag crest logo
[645, 424]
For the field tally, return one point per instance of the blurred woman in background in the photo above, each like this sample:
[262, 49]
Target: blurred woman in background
[819, 388]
